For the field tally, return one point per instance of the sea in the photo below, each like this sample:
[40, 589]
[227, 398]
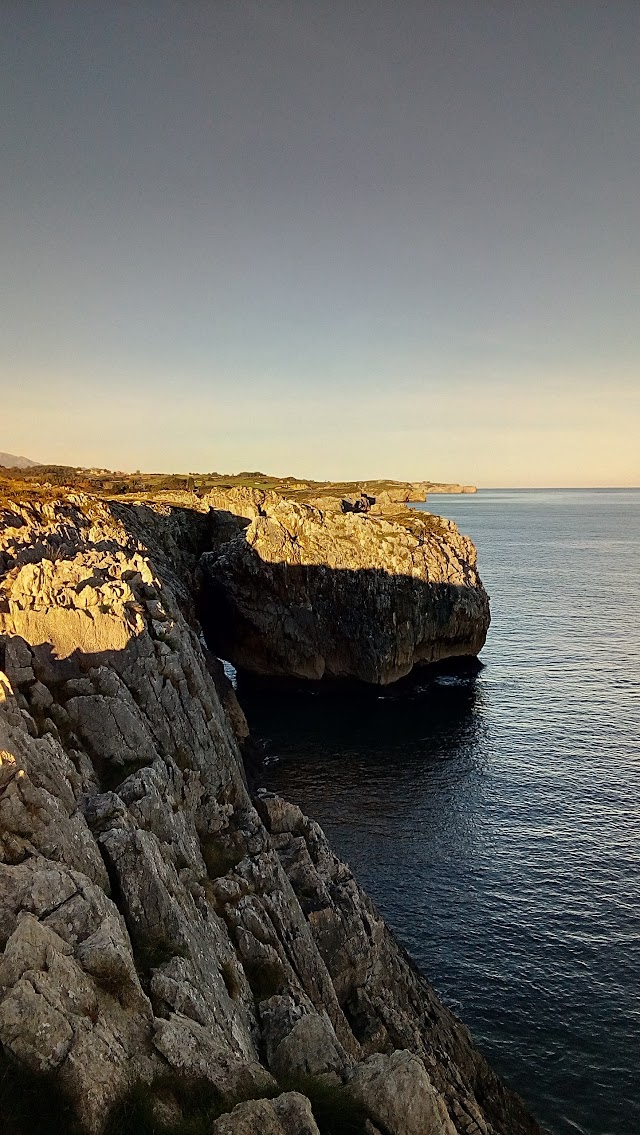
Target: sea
[495, 819]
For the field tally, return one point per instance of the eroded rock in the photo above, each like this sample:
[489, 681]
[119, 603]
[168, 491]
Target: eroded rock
[399, 1096]
[302, 593]
[158, 930]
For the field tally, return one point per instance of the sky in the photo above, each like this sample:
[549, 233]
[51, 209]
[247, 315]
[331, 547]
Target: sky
[334, 238]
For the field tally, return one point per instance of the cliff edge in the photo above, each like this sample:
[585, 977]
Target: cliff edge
[298, 591]
[174, 956]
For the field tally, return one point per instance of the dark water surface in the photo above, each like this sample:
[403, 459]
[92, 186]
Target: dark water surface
[495, 822]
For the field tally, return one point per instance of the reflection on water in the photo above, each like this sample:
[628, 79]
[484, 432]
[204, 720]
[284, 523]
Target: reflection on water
[377, 754]
[495, 820]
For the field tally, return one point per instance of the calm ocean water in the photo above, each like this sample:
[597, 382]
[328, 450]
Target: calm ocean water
[495, 821]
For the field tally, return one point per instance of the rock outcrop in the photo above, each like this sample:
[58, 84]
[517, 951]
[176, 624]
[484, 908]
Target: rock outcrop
[417, 490]
[300, 592]
[173, 954]
[447, 487]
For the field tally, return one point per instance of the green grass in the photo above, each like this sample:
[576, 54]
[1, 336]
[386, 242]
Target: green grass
[200, 1104]
[198, 1101]
[334, 1109]
[32, 1104]
[266, 978]
[153, 951]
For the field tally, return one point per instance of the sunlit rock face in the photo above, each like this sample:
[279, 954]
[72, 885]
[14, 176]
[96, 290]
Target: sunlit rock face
[300, 592]
[172, 952]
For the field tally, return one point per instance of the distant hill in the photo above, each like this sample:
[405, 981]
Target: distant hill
[10, 460]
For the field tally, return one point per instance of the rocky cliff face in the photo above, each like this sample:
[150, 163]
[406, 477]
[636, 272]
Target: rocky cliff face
[446, 487]
[175, 956]
[298, 591]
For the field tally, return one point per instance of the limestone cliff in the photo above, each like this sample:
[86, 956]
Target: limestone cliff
[174, 956]
[304, 592]
[446, 487]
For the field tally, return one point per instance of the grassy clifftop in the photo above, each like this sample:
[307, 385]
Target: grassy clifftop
[47, 481]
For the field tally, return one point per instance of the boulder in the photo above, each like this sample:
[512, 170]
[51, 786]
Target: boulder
[288, 1114]
[399, 1096]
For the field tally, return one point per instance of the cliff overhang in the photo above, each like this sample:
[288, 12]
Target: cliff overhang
[293, 591]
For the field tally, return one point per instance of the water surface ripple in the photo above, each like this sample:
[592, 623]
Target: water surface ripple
[495, 822]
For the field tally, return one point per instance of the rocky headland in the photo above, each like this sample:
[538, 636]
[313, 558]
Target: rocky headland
[177, 956]
[447, 487]
[344, 592]
[13, 461]
[126, 485]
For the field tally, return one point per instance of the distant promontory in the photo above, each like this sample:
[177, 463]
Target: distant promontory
[116, 483]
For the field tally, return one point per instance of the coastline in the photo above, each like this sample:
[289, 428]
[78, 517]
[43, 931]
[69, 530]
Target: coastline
[140, 658]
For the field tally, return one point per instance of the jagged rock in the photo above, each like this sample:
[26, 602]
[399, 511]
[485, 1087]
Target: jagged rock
[387, 1002]
[55, 1017]
[299, 1040]
[40, 789]
[399, 1095]
[357, 502]
[352, 502]
[288, 1114]
[395, 496]
[301, 593]
[193, 1051]
[153, 922]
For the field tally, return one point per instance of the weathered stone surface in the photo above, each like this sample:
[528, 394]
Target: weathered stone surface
[40, 789]
[193, 1051]
[54, 1015]
[288, 1114]
[299, 1040]
[154, 924]
[388, 1004]
[303, 593]
[399, 1095]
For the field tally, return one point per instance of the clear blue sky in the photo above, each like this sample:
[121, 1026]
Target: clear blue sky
[340, 238]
